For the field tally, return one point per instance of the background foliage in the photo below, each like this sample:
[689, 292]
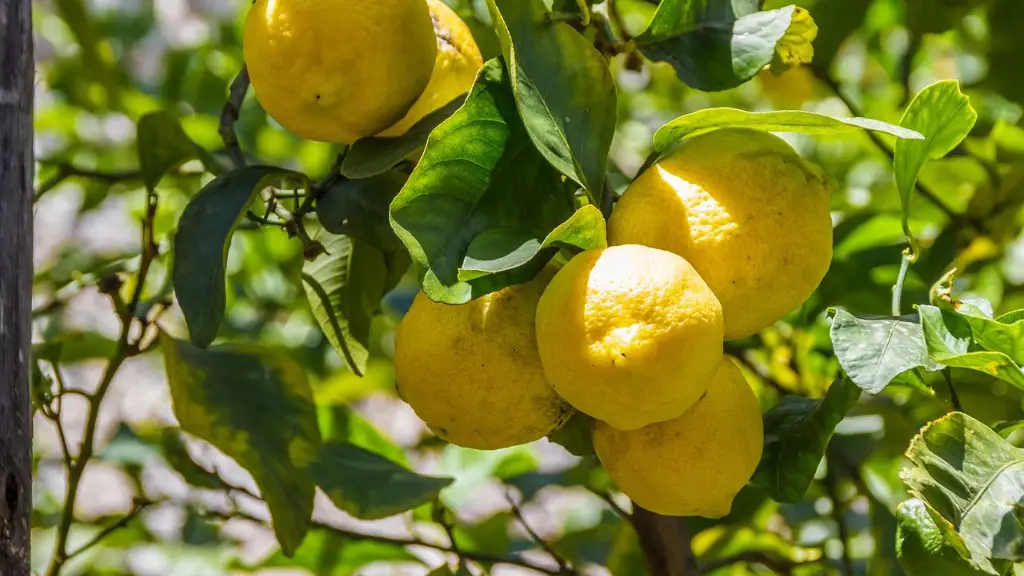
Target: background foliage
[129, 104]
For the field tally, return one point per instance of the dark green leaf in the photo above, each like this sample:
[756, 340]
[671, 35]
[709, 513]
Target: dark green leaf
[347, 426]
[372, 156]
[922, 548]
[368, 485]
[359, 208]
[202, 241]
[701, 121]
[256, 406]
[714, 46]
[944, 116]
[576, 435]
[873, 350]
[1003, 75]
[563, 88]
[949, 339]
[162, 146]
[74, 347]
[796, 432]
[933, 16]
[478, 173]
[177, 456]
[974, 479]
[836, 20]
[344, 287]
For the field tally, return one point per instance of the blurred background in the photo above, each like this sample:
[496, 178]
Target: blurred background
[102, 64]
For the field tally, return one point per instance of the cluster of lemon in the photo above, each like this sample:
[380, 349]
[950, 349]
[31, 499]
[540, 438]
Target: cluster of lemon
[715, 242]
[340, 70]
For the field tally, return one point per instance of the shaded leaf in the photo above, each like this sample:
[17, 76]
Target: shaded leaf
[950, 342]
[202, 241]
[720, 44]
[349, 427]
[359, 208]
[796, 432]
[563, 88]
[944, 116]
[70, 347]
[162, 146]
[256, 406]
[836, 20]
[327, 553]
[376, 155]
[921, 547]
[974, 479]
[479, 172]
[368, 485]
[873, 350]
[576, 435]
[708, 119]
[344, 287]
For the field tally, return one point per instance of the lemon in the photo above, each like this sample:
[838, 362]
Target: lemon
[630, 335]
[458, 60]
[695, 464]
[472, 373]
[746, 211]
[337, 70]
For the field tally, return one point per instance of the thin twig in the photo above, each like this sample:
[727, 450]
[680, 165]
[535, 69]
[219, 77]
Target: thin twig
[618, 510]
[65, 171]
[139, 506]
[954, 398]
[923, 190]
[229, 115]
[564, 567]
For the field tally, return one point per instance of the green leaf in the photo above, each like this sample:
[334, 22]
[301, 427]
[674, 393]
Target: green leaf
[202, 241]
[934, 16]
[975, 480]
[327, 553]
[359, 208]
[563, 88]
[950, 342]
[256, 406]
[576, 435]
[998, 335]
[708, 119]
[163, 146]
[921, 546]
[944, 116]
[368, 485]
[372, 156]
[720, 44]
[344, 287]
[479, 172]
[836, 20]
[796, 432]
[506, 249]
[873, 350]
[69, 347]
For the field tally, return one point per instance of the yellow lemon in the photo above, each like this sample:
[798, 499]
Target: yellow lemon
[695, 464]
[472, 373]
[337, 70]
[630, 335]
[458, 60]
[748, 213]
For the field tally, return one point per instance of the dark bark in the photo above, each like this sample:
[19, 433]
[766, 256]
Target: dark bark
[16, 172]
[666, 543]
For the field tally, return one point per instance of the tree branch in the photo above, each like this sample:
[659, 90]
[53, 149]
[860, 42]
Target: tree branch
[564, 567]
[666, 543]
[137, 508]
[65, 171]
[229, 116]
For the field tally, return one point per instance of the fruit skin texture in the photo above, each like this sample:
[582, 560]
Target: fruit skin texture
[337, 70]
[472, 373]
[746, 211]
[695, 464]
[630, 335]
[458, 60]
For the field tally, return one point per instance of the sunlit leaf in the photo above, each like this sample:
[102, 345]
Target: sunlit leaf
[796, 432]
[921, 546]
[375, 155]
[344, 287]
[708, 119]
[162, 146]
[975, 480]
[256, 406]
[563, 88]
[873, 350]
[368, 485]
[950, 342]
[202, 241]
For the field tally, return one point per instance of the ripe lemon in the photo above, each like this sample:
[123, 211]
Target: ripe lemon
[695, 464]
[337, 70]
[472, 373]
[630, 335]
[748, 213]
[458, 60]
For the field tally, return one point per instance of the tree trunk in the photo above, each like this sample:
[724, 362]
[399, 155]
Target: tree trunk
[16, 175]
[665, 542]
